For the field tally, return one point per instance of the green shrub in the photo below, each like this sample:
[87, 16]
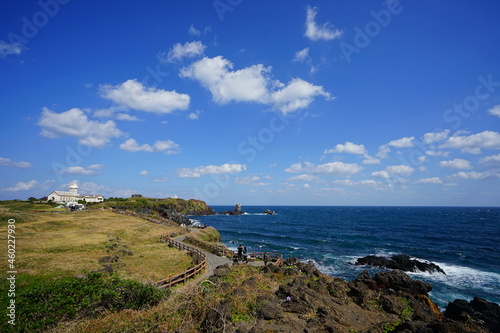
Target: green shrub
[43, 304]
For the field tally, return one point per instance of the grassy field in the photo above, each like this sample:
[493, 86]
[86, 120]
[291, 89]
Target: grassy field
[62, 244]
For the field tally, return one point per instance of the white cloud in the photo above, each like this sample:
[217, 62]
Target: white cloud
[193, 31]
[298, 94]
[304, 177]
[402, 143]
[167, 146]
[126, 117]
[437, 153]
[132, 146]
[383, 151]
[381, 174]
[457, 163]
[134, 95]
[194, 115]
[144, 173]
[473, 175]
[161, 180]
[9, 48]
[251, 84]
[493, 160]
[400, 170]
[347, 148]
[435, 137]
[397, 170]
[315, 32]
[475, 142]
[371, 160]
[251, 180]
[333, 168]
[188, 50]
[432, 180]
[10, 163]
[302, 55]
[76, 123]
[211, 170]
[78, 170]
[495, 111]
[22, 186]
[349, 182]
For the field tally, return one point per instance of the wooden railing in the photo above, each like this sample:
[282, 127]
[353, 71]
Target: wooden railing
[275, 258]
[184, 276]
[217, 249]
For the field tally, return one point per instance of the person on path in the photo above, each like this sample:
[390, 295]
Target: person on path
[240, 252]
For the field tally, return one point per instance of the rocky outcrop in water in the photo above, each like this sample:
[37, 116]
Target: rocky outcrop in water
[401, 262]
[237, 211]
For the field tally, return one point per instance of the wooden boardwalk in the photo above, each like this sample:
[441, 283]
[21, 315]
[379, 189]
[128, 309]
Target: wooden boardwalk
[208, 262]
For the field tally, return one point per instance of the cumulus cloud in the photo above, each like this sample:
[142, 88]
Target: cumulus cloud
[493, 160]
[211, 170]
[9, 48]
[457, 163]
[347, 148]
[396, 170]
[78, 170]
[22, 186]
[167, 146]
[473, 175]
[144, 173]
[333, 168]
[251, 84]
[495, 111]
[304, 177]
[474, 143]
[349, 182]
[132, 94]
[302, 55]
[383, 151]
[435, 136]
[432, 180]
[75, 123]
[187, 50]
[126, 117]
[400, 170]
[437, 153]
[316, 32]
[381, 174]
[251, 180]
[403, 142]
[10, 163]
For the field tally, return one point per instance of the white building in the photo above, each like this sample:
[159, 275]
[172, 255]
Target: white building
[64, 197]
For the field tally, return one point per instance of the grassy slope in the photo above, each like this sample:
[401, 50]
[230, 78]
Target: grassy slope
[63, 244]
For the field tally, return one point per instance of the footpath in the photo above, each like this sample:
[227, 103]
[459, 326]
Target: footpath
[212, 260]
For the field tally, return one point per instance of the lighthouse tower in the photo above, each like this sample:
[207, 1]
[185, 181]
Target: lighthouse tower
[73, 189]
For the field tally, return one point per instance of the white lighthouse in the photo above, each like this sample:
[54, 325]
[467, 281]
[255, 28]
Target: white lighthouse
[73, 189]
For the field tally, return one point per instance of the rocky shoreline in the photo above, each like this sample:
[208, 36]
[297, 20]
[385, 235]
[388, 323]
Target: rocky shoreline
[310, 301]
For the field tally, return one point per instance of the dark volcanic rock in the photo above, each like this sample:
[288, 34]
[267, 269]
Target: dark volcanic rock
[401, 262]
[479, 310]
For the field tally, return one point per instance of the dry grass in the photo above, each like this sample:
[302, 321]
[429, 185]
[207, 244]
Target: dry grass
[64, 244]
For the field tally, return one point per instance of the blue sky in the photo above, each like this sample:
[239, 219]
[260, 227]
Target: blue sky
[257, 102]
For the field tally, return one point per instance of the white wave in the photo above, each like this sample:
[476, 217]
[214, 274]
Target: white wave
[464, 278]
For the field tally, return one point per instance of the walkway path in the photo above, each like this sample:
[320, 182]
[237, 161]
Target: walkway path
[212, 260]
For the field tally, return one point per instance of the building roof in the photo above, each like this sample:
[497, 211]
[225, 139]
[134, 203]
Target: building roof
[65, 193]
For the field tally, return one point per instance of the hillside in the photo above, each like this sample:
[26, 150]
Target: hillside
[173, 209]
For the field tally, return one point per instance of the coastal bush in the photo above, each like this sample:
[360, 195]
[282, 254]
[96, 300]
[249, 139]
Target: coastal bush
[42, 304]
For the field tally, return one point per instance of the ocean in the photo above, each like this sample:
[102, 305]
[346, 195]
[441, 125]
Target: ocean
[464, 242]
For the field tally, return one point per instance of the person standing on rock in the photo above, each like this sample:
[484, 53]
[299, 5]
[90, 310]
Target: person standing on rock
[240, 252]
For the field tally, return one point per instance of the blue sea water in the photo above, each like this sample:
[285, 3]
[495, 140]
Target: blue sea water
[464, 242]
